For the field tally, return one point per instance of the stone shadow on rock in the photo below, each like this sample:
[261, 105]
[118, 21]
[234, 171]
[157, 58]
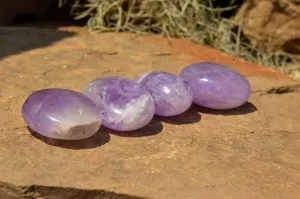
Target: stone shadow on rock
[153, 128]
[246, 108]
[97, 140]
[190, 116]
[71, 193]
[15, 40]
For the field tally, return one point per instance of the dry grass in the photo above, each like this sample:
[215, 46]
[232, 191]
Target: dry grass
[196, 20]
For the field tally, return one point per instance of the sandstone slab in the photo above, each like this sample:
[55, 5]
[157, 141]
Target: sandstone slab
[249, 152]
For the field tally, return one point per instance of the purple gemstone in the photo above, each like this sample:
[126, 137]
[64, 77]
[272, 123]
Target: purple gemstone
[61, 114]
[124, 105]
[216, 86]
[172, 95]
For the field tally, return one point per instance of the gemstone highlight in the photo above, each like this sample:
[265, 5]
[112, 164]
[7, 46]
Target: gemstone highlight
[123, 104]
[61, 114]
[172, 95]
[216, 86]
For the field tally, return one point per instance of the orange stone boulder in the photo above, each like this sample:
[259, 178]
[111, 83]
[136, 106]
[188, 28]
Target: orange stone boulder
[249, 152]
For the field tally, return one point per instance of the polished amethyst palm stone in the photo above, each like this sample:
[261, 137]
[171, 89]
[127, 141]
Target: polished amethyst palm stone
[172, 95]
[216, 86]
[124, 105]
[61, 114]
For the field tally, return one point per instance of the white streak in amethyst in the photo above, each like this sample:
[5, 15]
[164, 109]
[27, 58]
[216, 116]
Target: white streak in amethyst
[61, 114]
[124, 105]
[172, 95]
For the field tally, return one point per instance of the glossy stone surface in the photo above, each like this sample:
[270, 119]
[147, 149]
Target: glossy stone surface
[124, 105]
[216, 86]
[61, 114]
[172, 95]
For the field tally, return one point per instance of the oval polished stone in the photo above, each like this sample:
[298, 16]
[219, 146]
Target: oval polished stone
[172, 95]
[124, 105]
[216, 86]
[61, 114]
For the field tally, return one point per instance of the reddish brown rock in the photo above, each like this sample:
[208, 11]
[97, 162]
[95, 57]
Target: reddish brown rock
[250, 152]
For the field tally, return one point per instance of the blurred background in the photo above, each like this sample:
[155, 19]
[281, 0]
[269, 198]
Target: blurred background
[266, 32]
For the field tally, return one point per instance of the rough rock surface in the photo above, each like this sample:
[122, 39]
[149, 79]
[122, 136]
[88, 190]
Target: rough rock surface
[10, 191]
[272, 25]
[249, 152]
